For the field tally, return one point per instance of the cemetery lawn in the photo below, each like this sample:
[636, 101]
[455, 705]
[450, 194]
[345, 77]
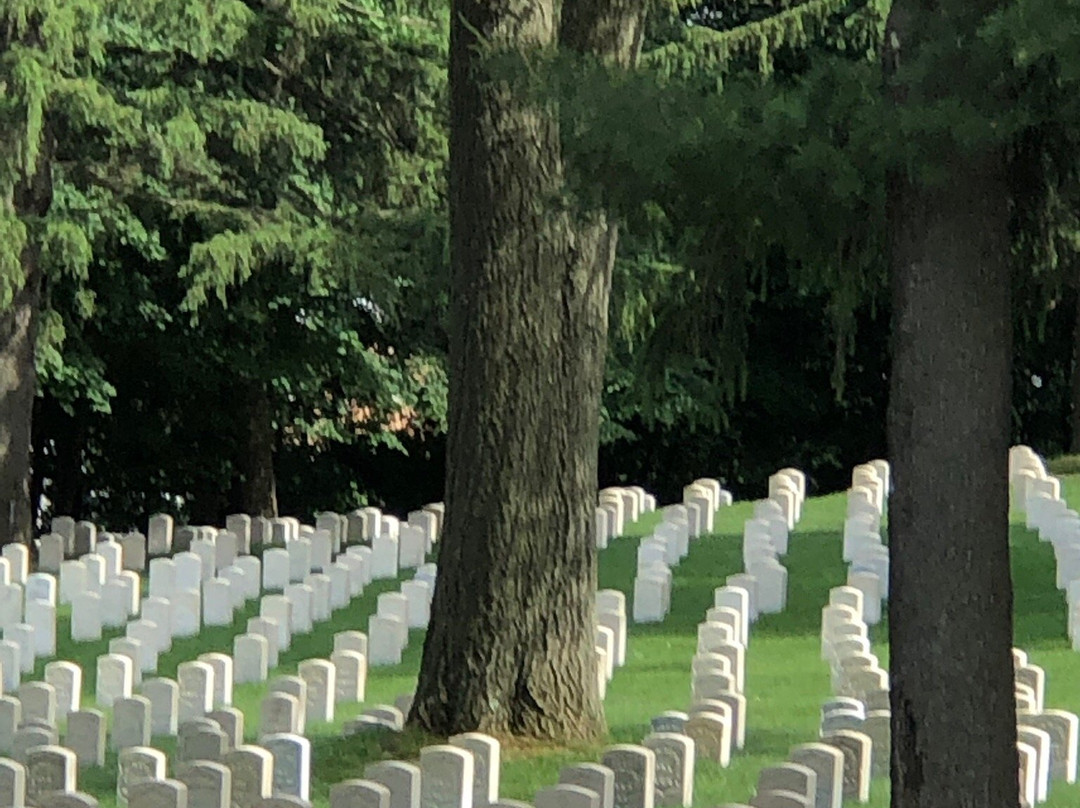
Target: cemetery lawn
[786, 681]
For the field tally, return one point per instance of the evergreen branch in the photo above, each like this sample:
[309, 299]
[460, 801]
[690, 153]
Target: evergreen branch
[708, 50]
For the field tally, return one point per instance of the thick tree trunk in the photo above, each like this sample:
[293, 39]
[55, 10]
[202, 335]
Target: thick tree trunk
[510, 649]
[950, 606]
[1074, 380]
[258, 487]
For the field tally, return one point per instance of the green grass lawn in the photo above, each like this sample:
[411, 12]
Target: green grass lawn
[786, 680]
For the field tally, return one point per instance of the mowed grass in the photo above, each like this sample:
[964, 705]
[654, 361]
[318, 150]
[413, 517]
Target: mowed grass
[786, 679]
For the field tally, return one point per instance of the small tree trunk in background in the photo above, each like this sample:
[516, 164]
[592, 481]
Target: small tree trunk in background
[258, 488]
[1074, 380]
[18, 373]
[18, 383]
[950, 604]
[67, 433]
[37, 478]
[510, 648]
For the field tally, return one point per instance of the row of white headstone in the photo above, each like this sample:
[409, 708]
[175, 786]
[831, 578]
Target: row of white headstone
[855, 721]
[669, 543]
[765, 540]
[866, 554]
[859, 710]
[837, 767]
[220, 775]
[174, 707]
[815, 774]
[860, 686]
[70, 539]
[660, 770]
[1046, 739]
[182, 601]
[1038, 495]
[28, 724]
[717, 682]
[766, 536]
[715, 724]
[657, 772]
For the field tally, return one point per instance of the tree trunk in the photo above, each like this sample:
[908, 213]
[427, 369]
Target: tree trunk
[66, 490]
[18, 373]
[510, 648]
[950, 605]
[37, 451]
[258, 488]
[18, 383]
[1074, 380]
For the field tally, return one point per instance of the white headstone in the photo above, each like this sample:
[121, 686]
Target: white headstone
[635, 775]
[384, 558]
[217, 603]
[446, 777]
[115, 679]
[223, 677]
[196, 681]
[159, 612]
[384, 640]
[66, 680]
[300, 598]
[18, 558]
[486, 765]
[299, 559]
[41, 616]
[350, 676]
[321, 680]
[292, 764]
[279, 609]
[164, 696]
[275, 569]
[251, 657]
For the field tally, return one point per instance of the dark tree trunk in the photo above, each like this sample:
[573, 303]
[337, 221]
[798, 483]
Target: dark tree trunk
[207, 503]
[37, 443]
[18, 373]
[510, 648]
[258, 487]
[950, 605]
[1074, 379]
[68, 433]
[18, 381]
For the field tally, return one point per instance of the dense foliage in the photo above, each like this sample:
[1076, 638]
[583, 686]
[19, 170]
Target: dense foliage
[246, 241]
[259, 278]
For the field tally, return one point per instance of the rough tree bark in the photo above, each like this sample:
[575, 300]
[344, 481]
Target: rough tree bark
[258, 486]
[18, 374]
[510, 648]
[950, 605]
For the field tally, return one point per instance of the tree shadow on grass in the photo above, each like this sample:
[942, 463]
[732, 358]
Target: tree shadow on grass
[815, 565]
[1039, 608]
